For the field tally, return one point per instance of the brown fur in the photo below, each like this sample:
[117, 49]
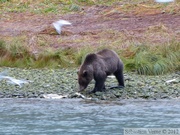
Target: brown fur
[98, 66]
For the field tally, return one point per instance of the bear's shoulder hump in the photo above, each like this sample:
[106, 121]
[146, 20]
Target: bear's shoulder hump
[90, 57]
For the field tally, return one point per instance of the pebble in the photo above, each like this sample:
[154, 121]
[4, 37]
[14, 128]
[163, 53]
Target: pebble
[62, 82]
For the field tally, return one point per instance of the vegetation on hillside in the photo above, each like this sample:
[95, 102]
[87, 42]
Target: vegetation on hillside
[142, 57]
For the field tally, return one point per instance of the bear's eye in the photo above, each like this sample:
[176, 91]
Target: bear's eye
[84, 73]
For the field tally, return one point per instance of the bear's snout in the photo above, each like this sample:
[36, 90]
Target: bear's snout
[81, 88]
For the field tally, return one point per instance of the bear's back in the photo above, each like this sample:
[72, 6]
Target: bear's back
[110, 60]
[109, 56]
[106, 53]
[105, 60]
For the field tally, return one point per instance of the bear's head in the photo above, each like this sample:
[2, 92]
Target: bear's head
[84, 78]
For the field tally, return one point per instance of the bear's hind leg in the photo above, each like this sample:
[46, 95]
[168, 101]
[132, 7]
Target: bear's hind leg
[120, 78]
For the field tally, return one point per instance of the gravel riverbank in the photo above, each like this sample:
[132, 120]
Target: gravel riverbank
[64, 83]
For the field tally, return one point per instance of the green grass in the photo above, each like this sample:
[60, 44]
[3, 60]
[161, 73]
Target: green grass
[39, 6]
[143, 59]
[155, 60]
[66, 6]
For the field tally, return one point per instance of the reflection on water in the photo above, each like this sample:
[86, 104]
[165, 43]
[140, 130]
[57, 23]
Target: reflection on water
[74, 116]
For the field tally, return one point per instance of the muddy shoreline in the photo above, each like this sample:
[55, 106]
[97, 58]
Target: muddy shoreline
[63, 82]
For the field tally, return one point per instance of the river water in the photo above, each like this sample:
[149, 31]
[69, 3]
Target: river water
[80, 117]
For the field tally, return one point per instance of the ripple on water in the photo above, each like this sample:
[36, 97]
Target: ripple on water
[75, 116]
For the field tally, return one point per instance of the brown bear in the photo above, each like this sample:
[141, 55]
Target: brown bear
[98, 66]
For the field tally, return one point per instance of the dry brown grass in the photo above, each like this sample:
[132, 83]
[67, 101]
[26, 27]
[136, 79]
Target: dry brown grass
[43, 47]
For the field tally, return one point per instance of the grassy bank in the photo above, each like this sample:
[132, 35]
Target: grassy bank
[142, 58]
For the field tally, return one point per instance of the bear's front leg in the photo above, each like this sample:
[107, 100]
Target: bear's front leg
[99, 85]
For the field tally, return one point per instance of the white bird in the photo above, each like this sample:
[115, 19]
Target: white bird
[171, 81]
[12, 80]
[164, 1]
[57, 25]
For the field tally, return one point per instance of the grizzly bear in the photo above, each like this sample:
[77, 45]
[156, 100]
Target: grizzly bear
[98, 66]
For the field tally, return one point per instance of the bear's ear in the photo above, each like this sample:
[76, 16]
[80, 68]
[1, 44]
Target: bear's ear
[85, 73]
